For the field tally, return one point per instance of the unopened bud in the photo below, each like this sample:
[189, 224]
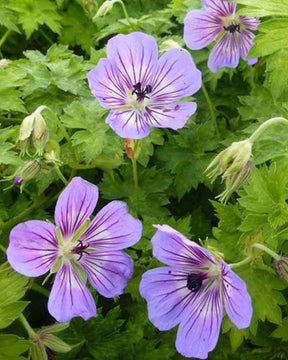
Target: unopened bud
[234, 165]
[33, 134]
[3, 63]
[170, 44]
[52, 153]
[281, 267]
[132, 149]
[104, 8]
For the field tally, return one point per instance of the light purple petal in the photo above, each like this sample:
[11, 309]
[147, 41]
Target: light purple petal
[108, 272]
[32, 248]
[245, 40]
[106, 84]
[128, 124]
[174, 249]
[173, 116]
[201, 28]
[113, 228]
[175, 78]
[224, 53]
[250, 22]
[237, 300]
[220, 7]
[135, 55]
[70, 297]
[75, 205]
[252, 61]
[165, 290]
[199, 331]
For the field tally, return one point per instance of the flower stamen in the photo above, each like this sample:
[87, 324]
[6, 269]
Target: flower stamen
[141, 92]
[79, 249]
[194, 282]
[232, 28]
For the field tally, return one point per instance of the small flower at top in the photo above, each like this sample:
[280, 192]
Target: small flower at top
[142, 90]
[78, 250]
[235, 166]
[281, 267]
[191, 291]
[219, 22]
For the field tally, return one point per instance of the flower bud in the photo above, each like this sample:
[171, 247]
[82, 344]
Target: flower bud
[281, 267]
[52, 153]
[170, 44]
[235, 166]
[132, 148]
[28, 171]
[104, 8]
[4, 63]
[33, 134]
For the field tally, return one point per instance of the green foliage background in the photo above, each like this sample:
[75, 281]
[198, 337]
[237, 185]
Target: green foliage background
[50, 45]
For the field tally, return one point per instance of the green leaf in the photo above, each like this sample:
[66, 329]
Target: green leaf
[177, 4]
[32, 13]
[282, 331]
[187, 155]
[273, 37]
[12, 345]
[263, 7]
[15, 288]
[8, 18]
[8, 156]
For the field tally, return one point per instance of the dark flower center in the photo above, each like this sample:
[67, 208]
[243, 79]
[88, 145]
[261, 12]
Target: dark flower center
[232, 28]
[79, 249]
[194, 282]
[141, 92]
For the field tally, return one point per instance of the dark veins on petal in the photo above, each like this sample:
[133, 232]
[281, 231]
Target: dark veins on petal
[141, 92]
[194, 282]
[232, 28]
[79, 249]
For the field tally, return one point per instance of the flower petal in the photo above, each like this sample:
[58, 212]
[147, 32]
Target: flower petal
[165, 290]
[33, 247]
[174, 249]
[75, 205]
[199, 331]
[108, 272]
[224, 53]
[135, 55]
[220, 7]
[176, 77]
[173, 116]
[70, 297]
[113, 228]
[128, 124]
[201, 28]
[250, 22]
[106, 84]
[237, 300]
[245, 40]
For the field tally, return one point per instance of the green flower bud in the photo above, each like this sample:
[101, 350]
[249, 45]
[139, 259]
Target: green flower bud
[104, 8]
[33, 134]
[234, 165]
[30, 170]
[281, 267]
[52, 153]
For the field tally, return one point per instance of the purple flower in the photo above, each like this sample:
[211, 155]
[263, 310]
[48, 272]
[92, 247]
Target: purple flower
[219, 21]
[78, 249]
[142, 90]
[191, 291]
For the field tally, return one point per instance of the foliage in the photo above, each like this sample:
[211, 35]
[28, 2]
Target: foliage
[50, 45]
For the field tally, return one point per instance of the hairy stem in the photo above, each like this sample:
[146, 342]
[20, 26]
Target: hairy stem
[60, 175]
[241, 263]
[267, 250]
[266, 125]
[32, 334]
[211, 108]
[126, 14]
[4, 38]
[40, 289]
[136, 185]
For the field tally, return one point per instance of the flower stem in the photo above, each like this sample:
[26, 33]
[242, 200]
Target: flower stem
[136, 185]
[56, 119]
[267, 250]
[126, 14]
[2, 248]
[265, 125]
[4, 37]
[32, 334]
[211, 108]
[40, 289]
[61, 176]
[241, 263]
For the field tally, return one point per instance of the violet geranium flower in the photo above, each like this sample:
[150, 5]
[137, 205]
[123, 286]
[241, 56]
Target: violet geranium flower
[78, 249]
[191, 291]
[142, 90]
[219, 21]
